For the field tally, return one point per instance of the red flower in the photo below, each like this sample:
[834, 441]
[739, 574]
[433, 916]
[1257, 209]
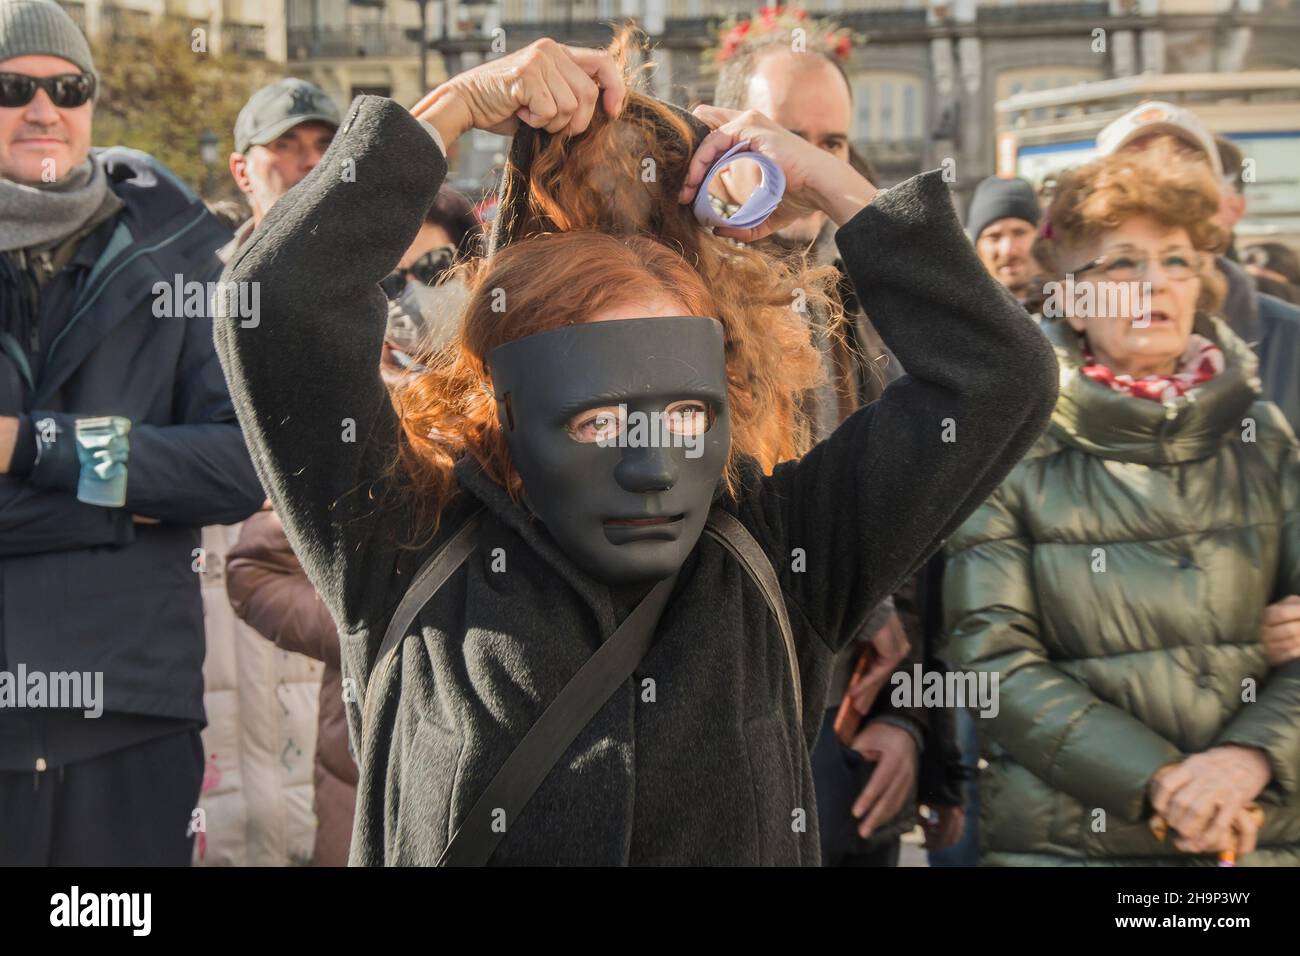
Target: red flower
[742, 28]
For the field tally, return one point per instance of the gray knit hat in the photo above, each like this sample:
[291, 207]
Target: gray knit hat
[42, 26]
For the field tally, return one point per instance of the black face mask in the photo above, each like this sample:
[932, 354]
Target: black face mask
[625, 493]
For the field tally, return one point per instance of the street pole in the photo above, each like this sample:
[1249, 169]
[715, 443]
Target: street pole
[424, 46]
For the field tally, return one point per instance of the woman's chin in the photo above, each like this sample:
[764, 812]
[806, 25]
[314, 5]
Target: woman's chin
[1148, 356]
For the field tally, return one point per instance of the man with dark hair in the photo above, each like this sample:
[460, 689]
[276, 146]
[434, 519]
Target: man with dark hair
[1232, 191]
[1275, 268]
[1002, 222]
[118, 442]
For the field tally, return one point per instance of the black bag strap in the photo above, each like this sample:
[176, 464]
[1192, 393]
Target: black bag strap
[546, 741]
[727, 530]
[432, 575]
[536, 754]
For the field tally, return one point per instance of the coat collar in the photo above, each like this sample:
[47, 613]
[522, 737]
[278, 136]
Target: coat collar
[122, 278]
[1104, 422]
[469, 476]
[227, 252]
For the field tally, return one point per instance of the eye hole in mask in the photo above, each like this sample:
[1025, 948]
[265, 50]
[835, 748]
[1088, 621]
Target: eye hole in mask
[607, 424]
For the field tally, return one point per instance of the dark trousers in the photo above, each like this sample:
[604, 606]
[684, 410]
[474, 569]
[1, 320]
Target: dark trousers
[128, 807]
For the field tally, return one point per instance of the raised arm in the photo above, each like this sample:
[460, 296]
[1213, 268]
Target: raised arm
[305, 378]
[845, 524]
[304, 373]
[879, 496]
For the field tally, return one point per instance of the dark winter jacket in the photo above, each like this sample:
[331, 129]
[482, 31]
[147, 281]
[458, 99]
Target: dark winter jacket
[715, 770]
[82, 587]
[1116, 582]
[1271, 327]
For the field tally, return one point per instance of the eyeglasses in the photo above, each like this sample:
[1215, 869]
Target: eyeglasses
[66, 91]
[1177, 266]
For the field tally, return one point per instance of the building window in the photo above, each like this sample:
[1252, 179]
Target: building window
[888, 107]
[863, 96]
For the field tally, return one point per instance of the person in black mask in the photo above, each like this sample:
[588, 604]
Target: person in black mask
[649, 411]
[588, 602]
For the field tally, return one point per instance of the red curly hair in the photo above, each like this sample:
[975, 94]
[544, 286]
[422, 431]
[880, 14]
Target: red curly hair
[601, 228]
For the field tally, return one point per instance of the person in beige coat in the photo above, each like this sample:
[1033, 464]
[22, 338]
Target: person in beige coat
[255, 808]
[269, 590]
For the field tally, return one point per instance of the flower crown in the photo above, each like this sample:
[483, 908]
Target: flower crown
[781, 19]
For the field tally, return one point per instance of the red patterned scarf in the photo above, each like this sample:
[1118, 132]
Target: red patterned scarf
[1200, 362]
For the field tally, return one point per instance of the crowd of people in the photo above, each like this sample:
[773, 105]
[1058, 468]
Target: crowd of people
[383, 570]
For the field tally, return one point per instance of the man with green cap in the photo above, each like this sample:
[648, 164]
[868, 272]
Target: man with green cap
[118, 443]
[280, 135]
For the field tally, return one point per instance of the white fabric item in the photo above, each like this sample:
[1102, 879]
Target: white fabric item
[437, 137]
[260, 742]
[1156, 116]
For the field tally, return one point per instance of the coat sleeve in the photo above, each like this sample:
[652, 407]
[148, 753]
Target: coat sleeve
[1272, 722]
[34, 521]
[198, 470]
[270, 592]
[194, 471]
[1050, 723]
[862, 510]
[305, 378]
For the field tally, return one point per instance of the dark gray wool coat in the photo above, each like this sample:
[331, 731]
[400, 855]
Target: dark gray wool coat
[715, 770]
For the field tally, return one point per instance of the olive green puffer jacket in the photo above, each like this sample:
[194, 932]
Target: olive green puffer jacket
[1115, 583]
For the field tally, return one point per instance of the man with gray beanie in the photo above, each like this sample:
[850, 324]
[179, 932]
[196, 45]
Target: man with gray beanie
[1002, 222]
[118, 442]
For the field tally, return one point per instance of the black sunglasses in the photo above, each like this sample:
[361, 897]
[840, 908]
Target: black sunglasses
[66, 91]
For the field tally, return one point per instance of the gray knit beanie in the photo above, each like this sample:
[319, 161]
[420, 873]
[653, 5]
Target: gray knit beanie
[42, 26]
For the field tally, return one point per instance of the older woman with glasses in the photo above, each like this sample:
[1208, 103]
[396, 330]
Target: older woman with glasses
[1134, 581]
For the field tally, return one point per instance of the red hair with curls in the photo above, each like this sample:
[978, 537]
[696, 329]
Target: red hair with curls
[594, 225]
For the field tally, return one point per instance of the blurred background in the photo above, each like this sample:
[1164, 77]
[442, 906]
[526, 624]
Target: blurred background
[1006, 86]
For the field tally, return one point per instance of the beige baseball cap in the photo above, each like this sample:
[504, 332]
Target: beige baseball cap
[1154, 117]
